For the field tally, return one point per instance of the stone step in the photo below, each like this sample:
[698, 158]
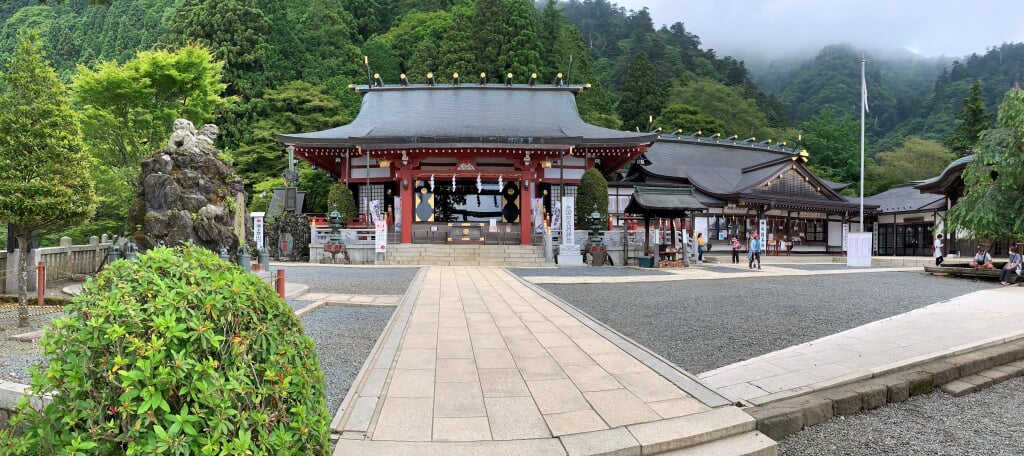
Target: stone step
[688, 431]
[983, 379]
[747, 444]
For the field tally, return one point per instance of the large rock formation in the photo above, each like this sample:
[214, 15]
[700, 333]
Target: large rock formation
[186, 193]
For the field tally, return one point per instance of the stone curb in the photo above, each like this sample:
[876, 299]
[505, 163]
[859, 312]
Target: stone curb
[957, 375]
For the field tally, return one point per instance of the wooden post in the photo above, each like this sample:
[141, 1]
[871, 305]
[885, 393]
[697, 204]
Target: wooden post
[280, 283]
[41, 282]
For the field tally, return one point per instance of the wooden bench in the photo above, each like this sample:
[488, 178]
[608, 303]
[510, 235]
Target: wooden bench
[965, 269]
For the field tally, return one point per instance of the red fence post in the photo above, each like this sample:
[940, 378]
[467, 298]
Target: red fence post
[280, 283]
[41, 281]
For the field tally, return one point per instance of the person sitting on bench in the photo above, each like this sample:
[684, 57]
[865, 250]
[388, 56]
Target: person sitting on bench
[982, 260]
[1012, 267]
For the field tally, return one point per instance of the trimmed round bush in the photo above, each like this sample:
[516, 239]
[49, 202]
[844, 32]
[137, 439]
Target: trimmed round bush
[176, 353]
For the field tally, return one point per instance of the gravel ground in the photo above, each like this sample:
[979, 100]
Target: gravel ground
[575, 271]
[989, 422]
[15, 356]
[351, 280]
[705, 324]
[343, 337]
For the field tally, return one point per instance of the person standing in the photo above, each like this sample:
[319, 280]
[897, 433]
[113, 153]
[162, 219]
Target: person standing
[755, 251]
[937, 250]
[736, 250]
[700, 247]
[1012, 267]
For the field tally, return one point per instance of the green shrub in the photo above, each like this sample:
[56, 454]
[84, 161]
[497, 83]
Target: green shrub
[176, 353]
[341, 196]
[592, 192]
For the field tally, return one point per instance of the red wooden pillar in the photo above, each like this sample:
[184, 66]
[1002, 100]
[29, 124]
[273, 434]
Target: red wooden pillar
[407, 189]
[525, 211]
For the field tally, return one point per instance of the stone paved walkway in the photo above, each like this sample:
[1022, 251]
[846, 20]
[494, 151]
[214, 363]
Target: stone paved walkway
[967, 322]
[479, 357]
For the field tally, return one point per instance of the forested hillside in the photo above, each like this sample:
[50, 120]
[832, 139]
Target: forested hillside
[260, 67]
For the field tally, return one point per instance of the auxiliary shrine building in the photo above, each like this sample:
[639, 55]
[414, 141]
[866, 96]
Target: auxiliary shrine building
[455, 163]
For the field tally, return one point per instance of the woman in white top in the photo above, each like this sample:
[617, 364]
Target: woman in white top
[937, 250]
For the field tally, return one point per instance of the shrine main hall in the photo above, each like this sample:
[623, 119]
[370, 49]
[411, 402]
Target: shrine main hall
[480, 155]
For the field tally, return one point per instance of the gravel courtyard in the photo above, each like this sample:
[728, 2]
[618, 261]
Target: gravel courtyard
[702, 325]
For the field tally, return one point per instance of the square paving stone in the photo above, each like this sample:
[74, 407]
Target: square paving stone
[461, 429]
[515, 418]
[526, 348]
[649, 386]
[458, 400]
[554, 339]
[454, 349]
[416, 358]
[557, 396]
[412, 383]
[620, 407]
[494, 358]
[491, 340]
[619, 362]
[540, 368]
[678, 407]
[574, 422]
[402, 418]
[570, 356]
[502, 383]
[591, 377]
[456, 370]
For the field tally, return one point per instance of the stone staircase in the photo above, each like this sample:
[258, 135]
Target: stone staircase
[467, 255]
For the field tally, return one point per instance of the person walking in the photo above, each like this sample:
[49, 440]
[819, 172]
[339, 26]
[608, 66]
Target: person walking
[700, 247]
[937, 250]
[1012, 267]
[736, 250]
[755, 251]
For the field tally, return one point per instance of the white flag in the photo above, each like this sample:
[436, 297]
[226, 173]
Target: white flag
[864, 92]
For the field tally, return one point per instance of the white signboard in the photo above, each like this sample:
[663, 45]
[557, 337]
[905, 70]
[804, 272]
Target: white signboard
[568, 220]
[846, 234]
[375, 215]
[381, 236]
[257, 228]
[858, 253]
[762, 232]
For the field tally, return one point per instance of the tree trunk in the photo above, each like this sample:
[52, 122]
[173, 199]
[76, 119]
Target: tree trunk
[23, 267]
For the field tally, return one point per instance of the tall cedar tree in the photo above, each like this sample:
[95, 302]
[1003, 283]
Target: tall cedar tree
[992, 201]
[641, 96]
[504, 40]
[41, 153]
[970, 122]
[592, 193]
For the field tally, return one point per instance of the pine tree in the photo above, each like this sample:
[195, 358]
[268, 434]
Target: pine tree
[43, 188]
[970, 122]
[642, 99]
[592, 193]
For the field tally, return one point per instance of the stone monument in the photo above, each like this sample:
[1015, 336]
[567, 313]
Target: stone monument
[186, 193]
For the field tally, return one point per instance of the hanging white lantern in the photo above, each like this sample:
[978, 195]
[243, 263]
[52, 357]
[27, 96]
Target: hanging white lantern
[479, 185]
[453, 183]
[499, 183]
[431, 183]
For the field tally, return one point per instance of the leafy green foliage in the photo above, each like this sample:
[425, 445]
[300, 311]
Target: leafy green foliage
[42, 189]
[128, 109]
[177, 353]
[992, 201]
[727, 105]
[316, 184]
[294, 107]
[340, 198]
[832, 142]
[916, 159]
[689, 119]
[970, 122]
[592, 191]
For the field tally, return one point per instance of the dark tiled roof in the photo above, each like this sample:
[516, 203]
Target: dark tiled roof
[468, 114]
[946, 178]
[666, 202]
[906, 198]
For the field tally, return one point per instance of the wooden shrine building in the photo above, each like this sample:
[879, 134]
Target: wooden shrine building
[465, 158]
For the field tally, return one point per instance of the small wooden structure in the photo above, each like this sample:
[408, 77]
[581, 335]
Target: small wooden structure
[662, 202]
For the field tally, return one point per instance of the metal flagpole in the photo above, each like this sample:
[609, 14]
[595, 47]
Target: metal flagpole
[863, 108]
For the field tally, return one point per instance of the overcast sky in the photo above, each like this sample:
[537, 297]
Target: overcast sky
[954, 28]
